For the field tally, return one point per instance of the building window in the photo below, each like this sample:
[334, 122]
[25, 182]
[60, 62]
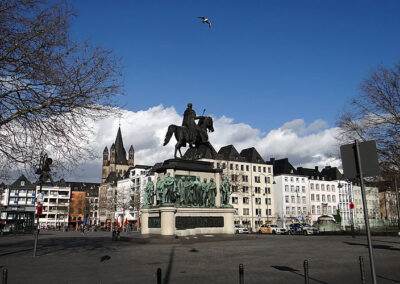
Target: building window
[292, 199]
[291, 178]
[318, 209]
[258, 201]
[293, 211]
[264, 169]
[311, 186]
[234, 188]
[259, 169]
[237, 167]
[323, 197]
[298, 199]
[268, 212]
[323, 187]
[292, 188]
[312, 197]
[329, 198]
[333, 188]
[304, 210]
[258, 211]
[231, 166]
[333, 198]
[303, 189]
[286, 199]
[268, 180]
[304, 199]
[257, 179]
[286, 179]
[268, 201]
[241, 167]
[286, 188]
[245, 178]
[328, 188]
[287, 210]
[317, 197]
[313, 209]
[297, 179]
[269, 170]
[257, 190]
[267, 190]
[245, 189]
[317, 186]
[254, 168]
[245, 200]
[247, 168]
[245, 211]
[234, 200]
[297, 188]
[80, 195]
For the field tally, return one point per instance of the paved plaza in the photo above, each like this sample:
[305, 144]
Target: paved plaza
[93, 257]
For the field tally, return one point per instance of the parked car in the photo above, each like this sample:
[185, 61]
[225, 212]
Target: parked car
[271, 229]
[302, 229]
[240, 229]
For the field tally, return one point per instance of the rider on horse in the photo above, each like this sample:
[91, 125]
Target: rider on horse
[189, 117]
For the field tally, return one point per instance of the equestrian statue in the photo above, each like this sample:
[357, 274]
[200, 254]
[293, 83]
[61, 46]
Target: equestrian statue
[190, 133]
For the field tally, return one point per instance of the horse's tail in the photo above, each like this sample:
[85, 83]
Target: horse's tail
[171, 130]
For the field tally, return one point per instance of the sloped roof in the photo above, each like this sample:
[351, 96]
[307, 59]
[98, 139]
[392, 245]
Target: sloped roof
[252, 156]
[308, 172]
[229, 153]
[282, 166]
[17, 183]
[331, 173]
[120, 153]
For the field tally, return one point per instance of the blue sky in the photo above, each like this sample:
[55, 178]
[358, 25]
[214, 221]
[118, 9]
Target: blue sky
[263, 63]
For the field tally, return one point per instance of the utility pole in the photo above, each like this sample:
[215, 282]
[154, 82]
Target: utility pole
[364, 199]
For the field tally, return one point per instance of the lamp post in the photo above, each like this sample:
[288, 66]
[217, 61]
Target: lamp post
[44, 175]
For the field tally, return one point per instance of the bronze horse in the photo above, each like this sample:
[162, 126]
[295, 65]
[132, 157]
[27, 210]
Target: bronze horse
[205, 123]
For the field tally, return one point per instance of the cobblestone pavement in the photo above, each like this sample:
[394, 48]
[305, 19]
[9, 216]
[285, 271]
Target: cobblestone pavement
[93, 257]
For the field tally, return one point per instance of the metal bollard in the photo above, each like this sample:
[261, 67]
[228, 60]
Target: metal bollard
[361, 260]
[159, 276]
[306, 277]
[241, 274]
[5, 274]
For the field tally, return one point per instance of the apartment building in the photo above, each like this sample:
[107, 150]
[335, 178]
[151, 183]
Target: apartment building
[251, 181]
[18, 205]
[130, 193]
[55, 204]
[373, 206]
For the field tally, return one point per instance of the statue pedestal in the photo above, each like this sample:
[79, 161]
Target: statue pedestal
[183, 220]
[169, 221]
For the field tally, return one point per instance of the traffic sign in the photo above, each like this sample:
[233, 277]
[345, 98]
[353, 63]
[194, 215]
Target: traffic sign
[299, 218]
[259, 216]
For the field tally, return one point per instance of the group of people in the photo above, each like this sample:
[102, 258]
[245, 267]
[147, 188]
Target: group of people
[186, 191]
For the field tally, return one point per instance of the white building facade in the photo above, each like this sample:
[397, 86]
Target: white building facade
[291, 195]
[373, 206]
[55, 205]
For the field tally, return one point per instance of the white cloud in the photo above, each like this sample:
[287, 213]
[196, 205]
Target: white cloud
[306, 145]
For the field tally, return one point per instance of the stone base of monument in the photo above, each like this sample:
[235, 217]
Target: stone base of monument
[180, 221]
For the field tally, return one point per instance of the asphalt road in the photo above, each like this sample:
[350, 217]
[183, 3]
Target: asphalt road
[93, 258]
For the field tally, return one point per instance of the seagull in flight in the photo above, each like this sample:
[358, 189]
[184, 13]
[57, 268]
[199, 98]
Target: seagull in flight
[205, 20]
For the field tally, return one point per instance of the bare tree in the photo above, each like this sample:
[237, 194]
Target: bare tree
[51, 87]
[375, 115]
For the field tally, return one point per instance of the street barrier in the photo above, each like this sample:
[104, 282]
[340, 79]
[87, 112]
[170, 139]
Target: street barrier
[241, 274]
[159, 275]
[5, 275]
[306, 277]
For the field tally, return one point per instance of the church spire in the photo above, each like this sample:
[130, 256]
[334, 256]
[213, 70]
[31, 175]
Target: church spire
[120, 153]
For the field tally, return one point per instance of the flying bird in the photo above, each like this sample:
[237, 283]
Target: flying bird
[205, 20]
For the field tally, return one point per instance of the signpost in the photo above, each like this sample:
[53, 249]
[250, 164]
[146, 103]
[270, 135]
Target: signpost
[361, 160]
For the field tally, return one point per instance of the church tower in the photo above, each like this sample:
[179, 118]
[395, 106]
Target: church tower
[115, 162]
[131, 159]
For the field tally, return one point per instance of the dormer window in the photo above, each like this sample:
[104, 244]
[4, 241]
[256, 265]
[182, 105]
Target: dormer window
[22, 183]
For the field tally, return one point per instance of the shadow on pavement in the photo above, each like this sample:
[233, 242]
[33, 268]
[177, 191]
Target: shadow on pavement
[170, 262]
[374, 246]
[294, 271]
